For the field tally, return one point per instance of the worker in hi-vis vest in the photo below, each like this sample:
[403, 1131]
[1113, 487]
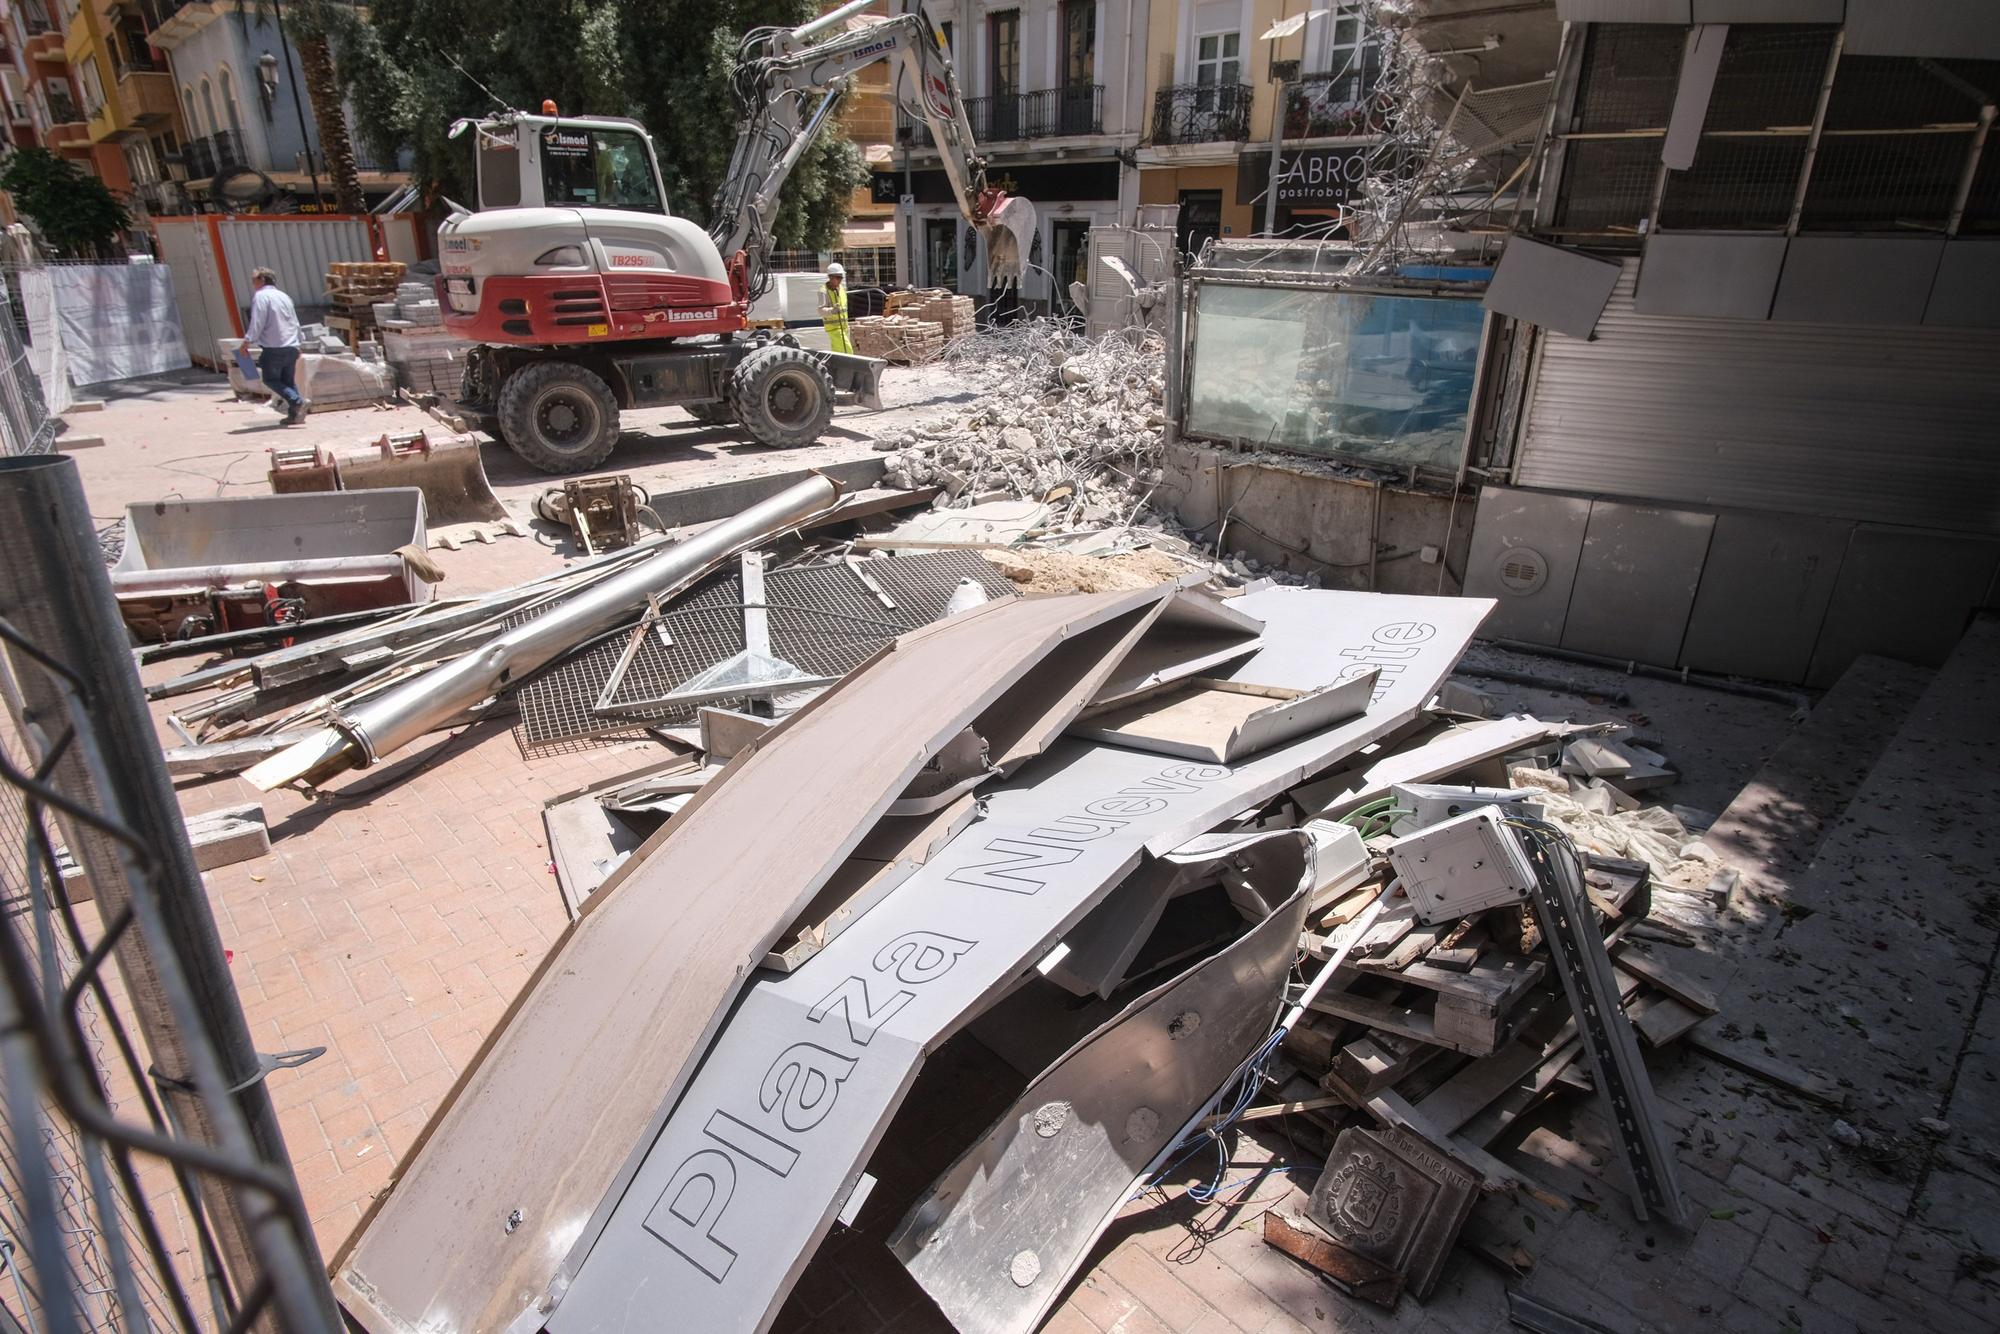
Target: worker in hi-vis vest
[833, 308]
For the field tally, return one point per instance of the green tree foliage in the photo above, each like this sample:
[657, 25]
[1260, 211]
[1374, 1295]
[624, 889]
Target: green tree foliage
[77, 213]
[421, 64]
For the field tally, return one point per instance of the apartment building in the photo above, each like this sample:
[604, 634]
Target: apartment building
[1054, 92]
[242, 100]
[42, 103]
[1213, 95]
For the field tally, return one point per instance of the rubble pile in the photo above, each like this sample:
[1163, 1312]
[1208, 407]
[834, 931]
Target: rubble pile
[1057, 412]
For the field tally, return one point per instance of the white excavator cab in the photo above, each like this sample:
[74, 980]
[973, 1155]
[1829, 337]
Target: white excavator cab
[528, 161]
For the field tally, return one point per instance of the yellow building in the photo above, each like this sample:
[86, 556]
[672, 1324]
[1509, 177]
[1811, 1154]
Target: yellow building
[131, 115]
[1213, 99]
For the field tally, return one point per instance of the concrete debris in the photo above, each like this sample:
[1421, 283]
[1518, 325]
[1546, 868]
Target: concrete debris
[1077, 424]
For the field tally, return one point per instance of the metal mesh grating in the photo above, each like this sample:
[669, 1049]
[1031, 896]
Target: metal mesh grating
[1898, 181]
[1900, 93]
[1982, 205]
[822, 619]
[1736, 183]
[1769, 78]
[1630, 72]
[1867, 177]
[1608, 184]
[1744, 175]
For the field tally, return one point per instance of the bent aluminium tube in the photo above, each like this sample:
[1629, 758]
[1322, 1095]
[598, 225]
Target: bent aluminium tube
[382, 724]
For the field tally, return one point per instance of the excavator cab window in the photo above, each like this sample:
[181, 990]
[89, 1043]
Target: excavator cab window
[595, 168]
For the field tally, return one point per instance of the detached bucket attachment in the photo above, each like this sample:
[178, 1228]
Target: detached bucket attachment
[303, 468]
[450, 473]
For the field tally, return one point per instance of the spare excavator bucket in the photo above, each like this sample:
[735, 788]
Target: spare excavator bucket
[1009, 231]
[449, 471]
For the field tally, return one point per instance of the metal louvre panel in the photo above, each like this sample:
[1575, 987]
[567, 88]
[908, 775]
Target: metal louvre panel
[1889, 424]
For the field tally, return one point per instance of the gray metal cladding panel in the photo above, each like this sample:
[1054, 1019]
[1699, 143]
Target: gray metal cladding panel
[1724, 277]
[1636, 581]
[1857, 279]
[1967, 291]
[1769, 11]
[1548, 285]
[742, 1181]
[1960, 29]
[1892, 426]
[1763, 594]
[1625, 11]
[1903, 595]
[1519, 536]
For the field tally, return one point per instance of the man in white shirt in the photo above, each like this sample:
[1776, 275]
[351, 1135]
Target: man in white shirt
[274, 329]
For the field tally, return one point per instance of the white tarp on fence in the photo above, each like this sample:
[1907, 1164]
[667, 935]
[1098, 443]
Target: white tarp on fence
[45, 349]
[118, 320]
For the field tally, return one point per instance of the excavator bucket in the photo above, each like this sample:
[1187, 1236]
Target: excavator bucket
[449, 471]
[1009, 231]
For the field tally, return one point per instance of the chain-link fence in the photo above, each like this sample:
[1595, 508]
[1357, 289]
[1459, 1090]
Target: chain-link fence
[143, 1182]
[26, 427]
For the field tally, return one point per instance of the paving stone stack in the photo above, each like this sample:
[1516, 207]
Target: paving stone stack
[416, 307]
[949, 312]
[898, 338]
[425, 360]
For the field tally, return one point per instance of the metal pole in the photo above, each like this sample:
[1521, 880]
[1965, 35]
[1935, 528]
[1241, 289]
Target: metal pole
[55, 592]
[298, 106]
[1277, 151]
[375, 727]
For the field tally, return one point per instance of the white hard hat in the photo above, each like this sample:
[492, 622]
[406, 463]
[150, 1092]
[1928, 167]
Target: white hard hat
[835, 271]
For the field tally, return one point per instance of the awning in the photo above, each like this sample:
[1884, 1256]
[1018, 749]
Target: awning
[868, 235]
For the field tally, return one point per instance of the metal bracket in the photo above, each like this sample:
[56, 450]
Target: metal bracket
[1578, 952]
[266, 1063]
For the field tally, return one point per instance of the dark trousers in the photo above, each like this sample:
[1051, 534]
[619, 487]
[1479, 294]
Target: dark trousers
[276, 367]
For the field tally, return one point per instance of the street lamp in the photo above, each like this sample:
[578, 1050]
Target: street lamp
[267, 81]
[1280, 30]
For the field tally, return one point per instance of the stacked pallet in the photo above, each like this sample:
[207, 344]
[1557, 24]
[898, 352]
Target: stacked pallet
[352, 289]
[898, 338]
[412, 306]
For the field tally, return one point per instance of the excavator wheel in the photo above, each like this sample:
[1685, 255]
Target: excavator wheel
[558, 416]
[782, 396]
[717, 413]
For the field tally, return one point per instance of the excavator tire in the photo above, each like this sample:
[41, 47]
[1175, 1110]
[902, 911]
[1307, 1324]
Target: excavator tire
[558, 416]
[717, 413]
[782, 396]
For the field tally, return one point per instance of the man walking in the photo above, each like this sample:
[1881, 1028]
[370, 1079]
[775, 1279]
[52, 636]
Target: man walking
[833, 309]
[274, 329]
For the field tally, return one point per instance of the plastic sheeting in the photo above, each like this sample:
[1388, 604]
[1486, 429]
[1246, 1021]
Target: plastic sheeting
[45, 349]
[117, 320]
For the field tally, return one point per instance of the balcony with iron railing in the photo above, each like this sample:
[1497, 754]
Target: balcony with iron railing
[206, 156]
[1202, 113]
[1051, 113]
[1336, 105]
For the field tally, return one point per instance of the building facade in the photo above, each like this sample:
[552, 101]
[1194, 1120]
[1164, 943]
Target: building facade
[1213, 101]
[1054, 93]
[242, 98]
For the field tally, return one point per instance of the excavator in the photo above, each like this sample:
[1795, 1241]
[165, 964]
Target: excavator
[587, 295]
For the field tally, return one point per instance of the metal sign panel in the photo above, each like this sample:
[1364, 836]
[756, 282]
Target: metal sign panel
[997, 1237]
[742, 1181]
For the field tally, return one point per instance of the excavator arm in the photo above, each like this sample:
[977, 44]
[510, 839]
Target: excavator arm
[781, 70]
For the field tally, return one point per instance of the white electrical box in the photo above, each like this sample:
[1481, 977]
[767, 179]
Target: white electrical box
[1461, 866]
[1433, 803]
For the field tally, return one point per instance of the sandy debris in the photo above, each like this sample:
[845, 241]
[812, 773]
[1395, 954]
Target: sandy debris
[1061, 572]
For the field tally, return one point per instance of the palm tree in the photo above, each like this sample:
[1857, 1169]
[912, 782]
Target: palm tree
[313, 25]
